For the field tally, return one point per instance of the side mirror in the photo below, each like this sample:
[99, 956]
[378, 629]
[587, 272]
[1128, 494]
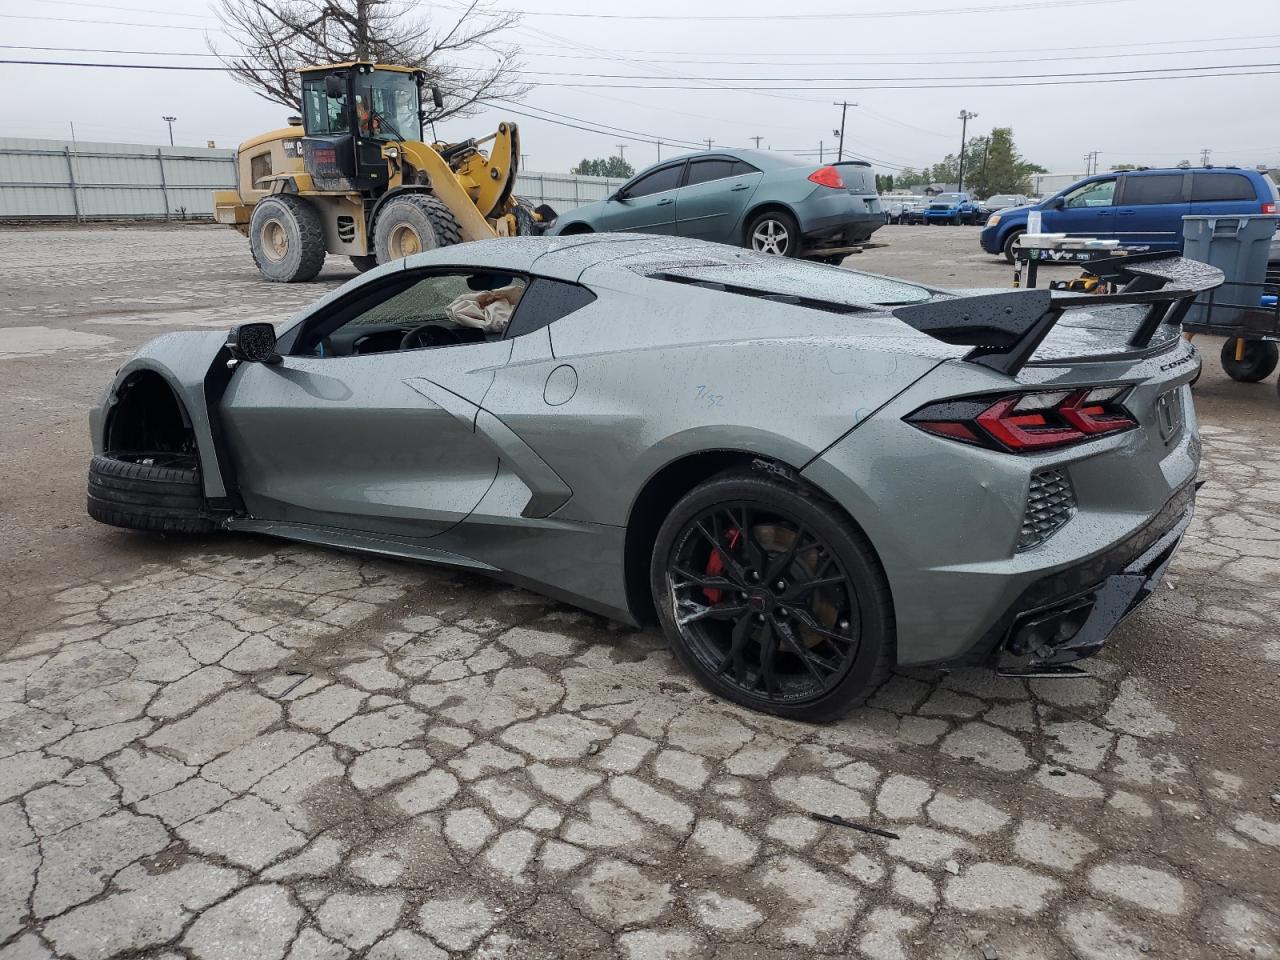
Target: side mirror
[618, 195]
[437, 97]
[253, 343]
[334, 86]
[1057, 203]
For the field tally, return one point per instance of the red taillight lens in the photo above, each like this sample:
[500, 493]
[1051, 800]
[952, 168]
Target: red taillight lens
[828, 177]
[1028, 422]
[1266, 207]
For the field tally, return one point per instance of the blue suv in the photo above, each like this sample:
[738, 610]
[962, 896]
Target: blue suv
[1138, 207]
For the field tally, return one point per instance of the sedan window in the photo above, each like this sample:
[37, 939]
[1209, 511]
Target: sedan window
[668, 178]
[714, 168]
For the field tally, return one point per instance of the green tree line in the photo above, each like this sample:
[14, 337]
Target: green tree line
[992, 165]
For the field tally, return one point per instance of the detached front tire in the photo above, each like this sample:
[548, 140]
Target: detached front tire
[286, 239]
[161, 493]
[772, 597]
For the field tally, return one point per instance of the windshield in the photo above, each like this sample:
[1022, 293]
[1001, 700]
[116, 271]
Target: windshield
[387, 106]
[949, 198]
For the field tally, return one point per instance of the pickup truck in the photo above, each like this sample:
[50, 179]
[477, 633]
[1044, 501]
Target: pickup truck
[952, 208]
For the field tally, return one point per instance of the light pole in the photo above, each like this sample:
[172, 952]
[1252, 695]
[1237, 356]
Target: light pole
[169, 121]
[965, 117]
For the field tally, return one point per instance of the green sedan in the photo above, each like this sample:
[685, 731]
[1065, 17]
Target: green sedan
[769, 202]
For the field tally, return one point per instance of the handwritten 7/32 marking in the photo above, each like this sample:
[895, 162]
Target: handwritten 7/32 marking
[704, 395]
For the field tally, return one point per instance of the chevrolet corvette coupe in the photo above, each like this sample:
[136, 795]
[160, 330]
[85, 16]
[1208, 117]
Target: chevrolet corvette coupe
[808, 475]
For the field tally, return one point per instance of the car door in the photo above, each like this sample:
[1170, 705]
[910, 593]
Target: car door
[349, 430]
[1086, 211]
[1150, 207]
[714, 198]
[646, 204]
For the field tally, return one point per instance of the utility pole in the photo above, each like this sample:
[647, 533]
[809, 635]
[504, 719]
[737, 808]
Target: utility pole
[819, 151]
[1204, 156]
[757, 140]
[621, 151]
[965, 117]
[169, 121]
[708, 143]
[659, 151]
[844, 106]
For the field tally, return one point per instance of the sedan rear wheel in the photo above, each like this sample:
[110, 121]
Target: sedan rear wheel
[774, 232]
[772, 598]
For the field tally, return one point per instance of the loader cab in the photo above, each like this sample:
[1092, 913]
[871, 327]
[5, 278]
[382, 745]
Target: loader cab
[349, 112]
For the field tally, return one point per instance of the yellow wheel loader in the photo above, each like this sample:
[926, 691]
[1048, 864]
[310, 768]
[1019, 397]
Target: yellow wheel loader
[352, 177]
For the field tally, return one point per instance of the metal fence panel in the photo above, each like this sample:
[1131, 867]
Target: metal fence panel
[55, 179]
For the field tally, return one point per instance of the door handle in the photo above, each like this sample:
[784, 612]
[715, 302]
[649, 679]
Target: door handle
[1127, 213]
[738, 186]
[662, 203]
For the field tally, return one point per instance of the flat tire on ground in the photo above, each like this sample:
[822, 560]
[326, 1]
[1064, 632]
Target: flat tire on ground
[412, 224]
[157, 496]
[286, 239]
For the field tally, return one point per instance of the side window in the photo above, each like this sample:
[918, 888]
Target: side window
[259, 167]
[1153, 188]
[545, 302]
[1096, 194]
[741, 168]
[416, 312]
[1221, 186]
[668, 178]
[704, 171]
[322, 114]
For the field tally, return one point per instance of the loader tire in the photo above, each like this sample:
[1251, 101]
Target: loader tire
[364, 262]
[286, 239]
[413, 224]
[147, 496]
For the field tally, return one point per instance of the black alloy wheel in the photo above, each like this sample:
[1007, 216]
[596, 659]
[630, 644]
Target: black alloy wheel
[774, 602]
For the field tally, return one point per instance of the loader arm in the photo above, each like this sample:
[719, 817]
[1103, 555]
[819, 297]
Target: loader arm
[445, 185]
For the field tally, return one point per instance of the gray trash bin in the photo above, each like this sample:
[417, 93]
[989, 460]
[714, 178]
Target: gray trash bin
[1238, 246]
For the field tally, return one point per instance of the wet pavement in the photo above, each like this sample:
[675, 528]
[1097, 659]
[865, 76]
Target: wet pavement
[233, 747]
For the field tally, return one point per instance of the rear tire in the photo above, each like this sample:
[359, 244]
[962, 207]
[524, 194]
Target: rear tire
[815, 634]
[364, 263]
[1260, 359]
[774, 232]
[526, 225]
[413, 224]
[147, 496]
[286, 239]
[1009, 243]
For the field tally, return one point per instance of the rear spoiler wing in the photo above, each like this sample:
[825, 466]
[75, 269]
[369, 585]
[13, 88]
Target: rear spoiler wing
[1005, 329]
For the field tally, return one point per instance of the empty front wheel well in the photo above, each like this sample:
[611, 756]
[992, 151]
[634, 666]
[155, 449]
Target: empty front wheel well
[662, 491]
[575, 228]
[147, 417]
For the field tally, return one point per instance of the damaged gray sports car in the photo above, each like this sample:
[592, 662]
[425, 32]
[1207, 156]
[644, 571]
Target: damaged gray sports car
[807, 474]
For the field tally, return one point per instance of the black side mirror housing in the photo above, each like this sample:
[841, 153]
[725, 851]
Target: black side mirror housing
[1057, 203]
[437, 97]
[334, 86]
[253, 343]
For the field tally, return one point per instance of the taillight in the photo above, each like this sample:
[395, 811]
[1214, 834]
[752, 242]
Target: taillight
[828, 177]
[1028, 422]
[1266, 207]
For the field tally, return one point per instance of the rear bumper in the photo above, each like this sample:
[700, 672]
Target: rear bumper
[838, 219]
[1069, 615]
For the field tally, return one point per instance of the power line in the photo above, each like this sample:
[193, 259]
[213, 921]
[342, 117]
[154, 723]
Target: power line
[675, 142]
[1018, 7]
[106, 6]
[135, 53]
[110, 23]
[933, 61]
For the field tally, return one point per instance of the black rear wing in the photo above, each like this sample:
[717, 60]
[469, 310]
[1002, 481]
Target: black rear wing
[1005, 329]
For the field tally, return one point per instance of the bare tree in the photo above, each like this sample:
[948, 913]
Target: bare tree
[273, 38]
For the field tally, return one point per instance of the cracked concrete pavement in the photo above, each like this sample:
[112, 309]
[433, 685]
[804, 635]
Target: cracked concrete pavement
[469, 769]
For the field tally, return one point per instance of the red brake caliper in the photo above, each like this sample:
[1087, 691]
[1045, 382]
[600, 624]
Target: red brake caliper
[715, 566]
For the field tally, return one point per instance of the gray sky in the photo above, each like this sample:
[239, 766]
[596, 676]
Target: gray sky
[827, 43]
